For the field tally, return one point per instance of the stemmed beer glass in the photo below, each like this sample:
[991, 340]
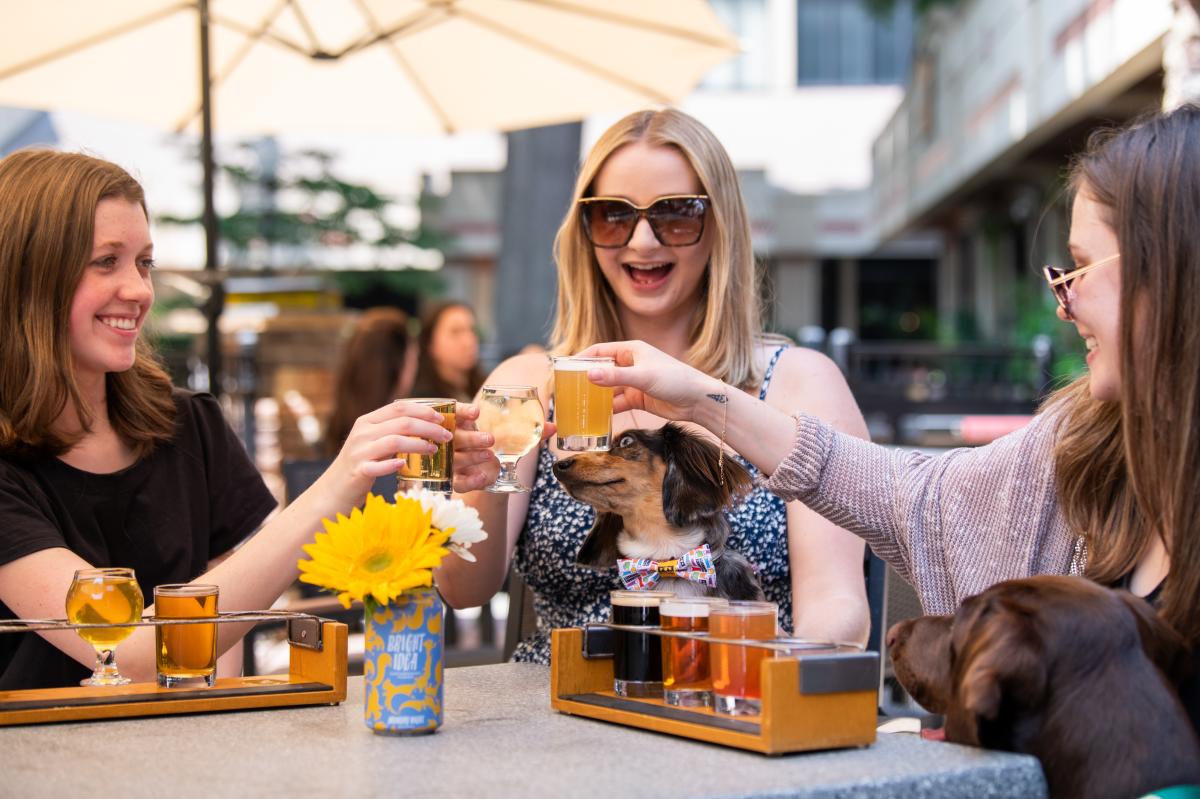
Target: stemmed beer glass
[514, 416]
[104, 596]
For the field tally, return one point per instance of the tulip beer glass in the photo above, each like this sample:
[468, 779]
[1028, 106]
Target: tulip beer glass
[582, 409]
[185, 654]
[434, 472]
[637, 657]
[737, 670]
[514, 417]
[104, 596]
[686, 679]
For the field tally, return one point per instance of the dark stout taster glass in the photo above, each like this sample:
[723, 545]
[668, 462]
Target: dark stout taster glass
[637, 657]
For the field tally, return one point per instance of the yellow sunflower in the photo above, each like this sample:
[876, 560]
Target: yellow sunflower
[378, 553]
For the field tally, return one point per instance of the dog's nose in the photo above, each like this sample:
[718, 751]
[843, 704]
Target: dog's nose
[563, 465]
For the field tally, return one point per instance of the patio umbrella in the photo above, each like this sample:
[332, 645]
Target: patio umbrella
[404, 66]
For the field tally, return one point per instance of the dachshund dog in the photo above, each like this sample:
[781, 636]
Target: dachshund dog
[1064, 669]
[659, 494]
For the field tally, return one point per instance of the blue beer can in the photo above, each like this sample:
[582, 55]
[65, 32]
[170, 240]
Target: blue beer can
[402, 664]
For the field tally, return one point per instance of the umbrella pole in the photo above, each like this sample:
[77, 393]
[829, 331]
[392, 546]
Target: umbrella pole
[216, 298]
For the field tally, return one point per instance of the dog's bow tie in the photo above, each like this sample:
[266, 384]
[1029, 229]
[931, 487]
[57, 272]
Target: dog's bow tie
[642, 574]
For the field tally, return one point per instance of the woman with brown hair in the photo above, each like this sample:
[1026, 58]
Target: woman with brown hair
[377, 365]
[674, 265]
[102, 462]
[1104, 482]
[449, 353]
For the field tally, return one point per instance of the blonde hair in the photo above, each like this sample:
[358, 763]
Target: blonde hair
[726, 324]
[48, 206]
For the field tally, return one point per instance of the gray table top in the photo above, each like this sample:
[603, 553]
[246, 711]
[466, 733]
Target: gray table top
[500, 738]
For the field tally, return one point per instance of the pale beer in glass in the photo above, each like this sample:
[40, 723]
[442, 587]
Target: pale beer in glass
[514, 417]
[185, 654]
[582, 409]
[434, 472]
[104, 596]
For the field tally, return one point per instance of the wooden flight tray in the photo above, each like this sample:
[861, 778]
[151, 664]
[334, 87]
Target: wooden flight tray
[316, 676]
[814, 696]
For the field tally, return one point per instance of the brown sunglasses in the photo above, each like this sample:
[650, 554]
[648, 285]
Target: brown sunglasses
[677, 219]
[1059, 280]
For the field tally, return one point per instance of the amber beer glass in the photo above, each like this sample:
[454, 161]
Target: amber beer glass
[582, 409]
[104, 596]
[686, 679]
[185, 654]
[434, 472]
[737, 670]
[637, 657]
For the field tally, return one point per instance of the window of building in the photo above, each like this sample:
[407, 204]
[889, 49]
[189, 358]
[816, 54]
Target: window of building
[747, 20]
[839, 42]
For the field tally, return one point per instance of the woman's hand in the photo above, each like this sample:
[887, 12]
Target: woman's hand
[375, 441]
[475, 465]
[649, 379]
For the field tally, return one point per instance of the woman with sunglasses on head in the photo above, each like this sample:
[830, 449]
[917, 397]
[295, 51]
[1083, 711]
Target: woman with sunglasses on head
[102, 462]
[657, 246]
[1104, 482]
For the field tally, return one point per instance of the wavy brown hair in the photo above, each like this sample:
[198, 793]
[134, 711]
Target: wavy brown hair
[727, 323]
[48, 206]
[368, 376]
[1130, 471]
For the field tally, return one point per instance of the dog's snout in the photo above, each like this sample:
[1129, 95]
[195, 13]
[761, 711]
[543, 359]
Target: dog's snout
[563, 466]
[893, 635]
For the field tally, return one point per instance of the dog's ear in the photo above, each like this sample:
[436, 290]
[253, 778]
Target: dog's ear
[599, 550]
[1162, 644]
[1001, 663]
[692, 486]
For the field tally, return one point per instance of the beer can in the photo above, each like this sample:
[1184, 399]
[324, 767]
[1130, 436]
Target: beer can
[402, 664]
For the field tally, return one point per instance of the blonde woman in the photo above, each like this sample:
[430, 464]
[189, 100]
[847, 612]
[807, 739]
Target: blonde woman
[696, 297]
[1105, 482]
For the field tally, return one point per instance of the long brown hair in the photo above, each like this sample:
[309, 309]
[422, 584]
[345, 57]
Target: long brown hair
[429, 382]
[727, 322]
[48, 206]
[1130, 471]
[368, 375]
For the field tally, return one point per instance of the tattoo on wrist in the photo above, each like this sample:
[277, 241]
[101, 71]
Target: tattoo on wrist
[720, 399]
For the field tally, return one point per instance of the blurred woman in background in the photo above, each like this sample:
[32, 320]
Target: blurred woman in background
[449, 347]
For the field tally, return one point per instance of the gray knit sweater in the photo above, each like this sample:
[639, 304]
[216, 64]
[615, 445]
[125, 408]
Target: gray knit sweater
[952, 524]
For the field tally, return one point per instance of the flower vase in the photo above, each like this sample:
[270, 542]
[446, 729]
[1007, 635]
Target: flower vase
[402, 664]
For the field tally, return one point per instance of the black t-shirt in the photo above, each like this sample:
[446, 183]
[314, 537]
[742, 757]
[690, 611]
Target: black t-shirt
[1189, 689]
[166, 516]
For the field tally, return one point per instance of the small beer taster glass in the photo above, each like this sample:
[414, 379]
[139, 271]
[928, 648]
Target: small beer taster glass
[185, 654]
[104, 596]
[434, 472]
[637, 657]
[686, 678]
[582, 409]
[737, 670]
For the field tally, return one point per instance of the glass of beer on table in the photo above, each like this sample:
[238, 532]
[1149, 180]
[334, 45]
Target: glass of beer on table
[104, 596]
[436, 471]
[582, 409]
[514, 417]
[737, 670]
[637, 657]
[185, 654]
[686, 678]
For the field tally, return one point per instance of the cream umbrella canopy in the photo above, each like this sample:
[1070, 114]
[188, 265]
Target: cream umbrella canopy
[403, 66]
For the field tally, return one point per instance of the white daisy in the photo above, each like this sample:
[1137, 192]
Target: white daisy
[454, 517]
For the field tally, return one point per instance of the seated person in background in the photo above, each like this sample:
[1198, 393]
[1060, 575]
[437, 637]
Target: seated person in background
[377, 365]
[1104, 482]
[102, 462]
[449, 353]
[695, 296]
